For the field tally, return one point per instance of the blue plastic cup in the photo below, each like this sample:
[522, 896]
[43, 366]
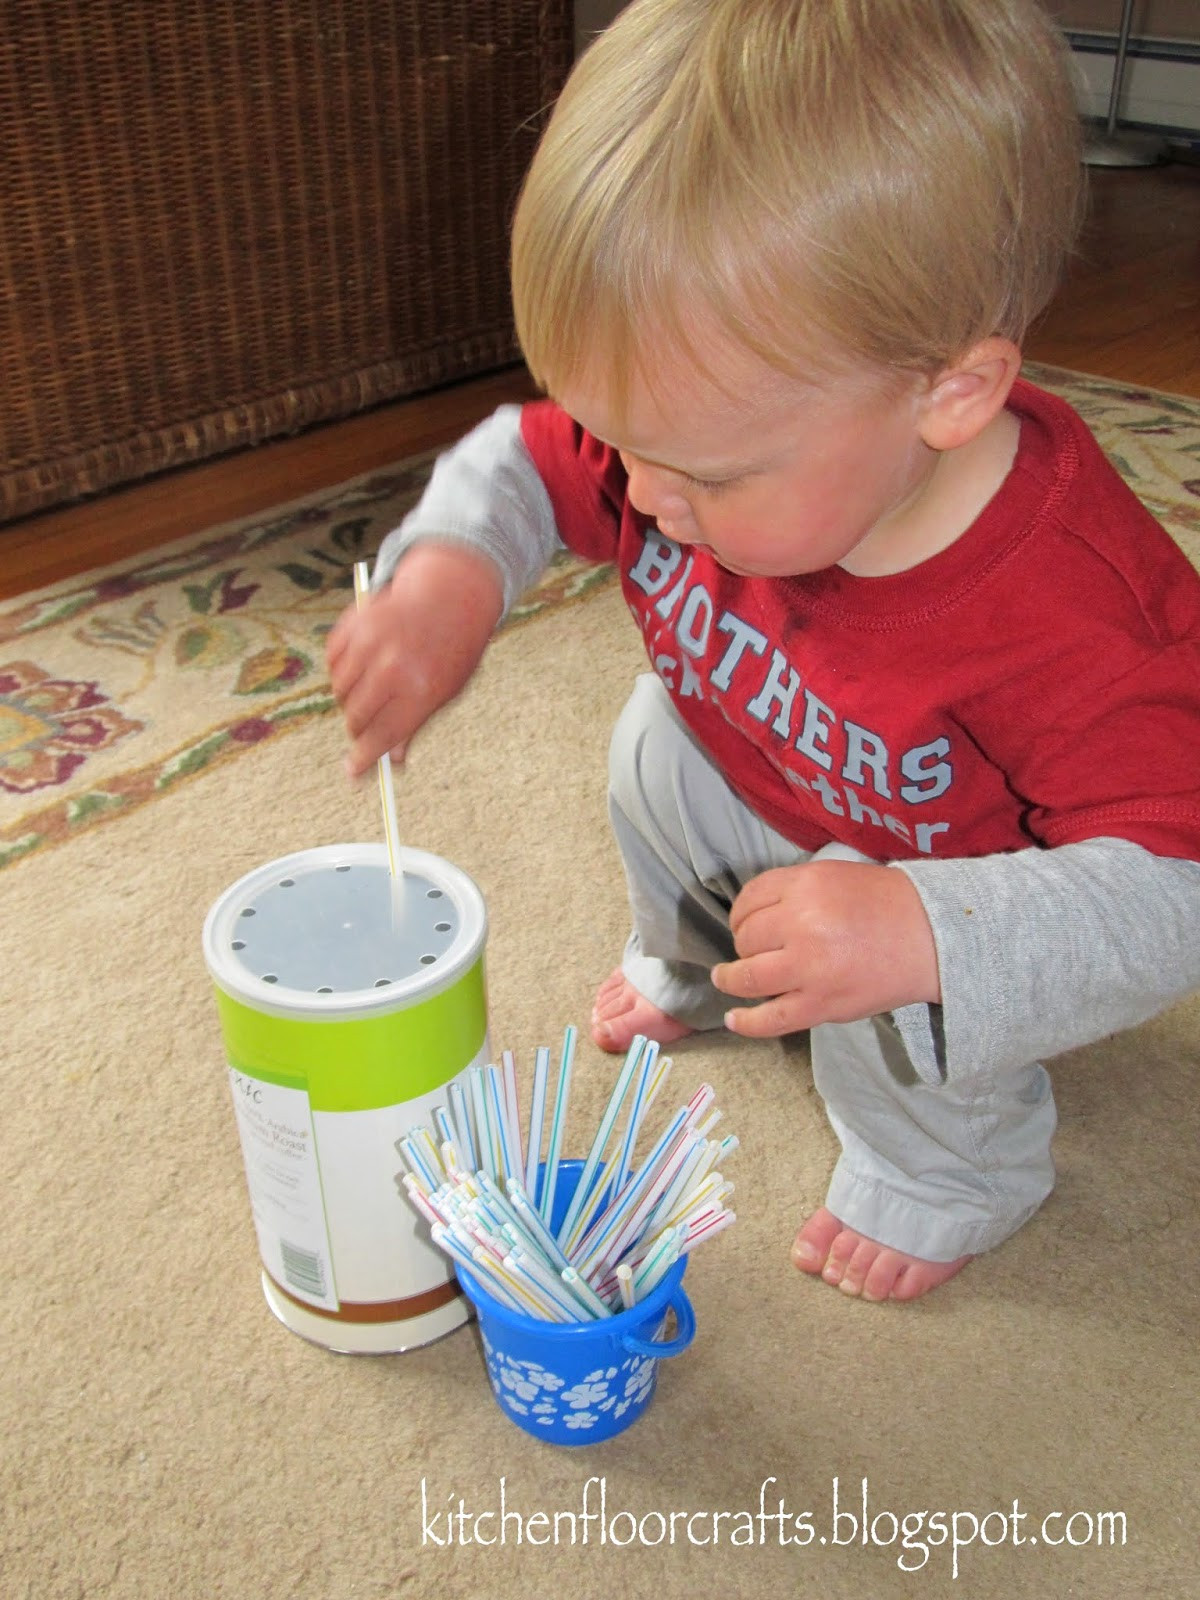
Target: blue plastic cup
[577, 1383]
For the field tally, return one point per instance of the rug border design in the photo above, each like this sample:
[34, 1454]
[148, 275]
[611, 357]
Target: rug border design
[568, 582]
[61, 820]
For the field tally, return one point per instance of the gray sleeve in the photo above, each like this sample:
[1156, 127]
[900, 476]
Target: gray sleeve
[1046, 950]
[485, 492]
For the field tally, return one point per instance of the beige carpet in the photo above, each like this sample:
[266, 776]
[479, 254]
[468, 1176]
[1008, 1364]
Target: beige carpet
[163, 1436]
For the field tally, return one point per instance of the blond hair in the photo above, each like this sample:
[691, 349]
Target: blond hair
[900, 178]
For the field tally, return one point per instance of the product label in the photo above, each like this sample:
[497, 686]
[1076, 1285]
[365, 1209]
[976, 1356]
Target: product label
[282, 1173]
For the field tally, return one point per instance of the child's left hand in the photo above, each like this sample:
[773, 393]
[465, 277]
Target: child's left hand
[829, 941]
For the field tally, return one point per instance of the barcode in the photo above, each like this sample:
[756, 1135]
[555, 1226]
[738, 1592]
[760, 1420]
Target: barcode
[303, 1269]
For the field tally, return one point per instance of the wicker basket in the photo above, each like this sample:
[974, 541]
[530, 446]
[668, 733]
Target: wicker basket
[223, 221]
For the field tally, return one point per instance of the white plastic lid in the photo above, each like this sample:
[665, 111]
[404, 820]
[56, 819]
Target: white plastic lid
[328, 933]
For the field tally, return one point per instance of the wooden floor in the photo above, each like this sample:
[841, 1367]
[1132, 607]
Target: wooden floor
[1130, 307]
[1129, 310]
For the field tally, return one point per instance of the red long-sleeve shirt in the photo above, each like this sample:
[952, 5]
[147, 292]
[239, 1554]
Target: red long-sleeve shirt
[1036, 682]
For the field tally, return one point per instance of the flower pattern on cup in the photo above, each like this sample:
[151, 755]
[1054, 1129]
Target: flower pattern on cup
[640, 1380]
[526, 1389]
[520, 1385]
[582, 1395]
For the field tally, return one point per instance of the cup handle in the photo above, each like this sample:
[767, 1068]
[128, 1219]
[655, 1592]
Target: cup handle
[685, 1331]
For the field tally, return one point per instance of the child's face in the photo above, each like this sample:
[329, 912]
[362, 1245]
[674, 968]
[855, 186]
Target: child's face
[778, 476]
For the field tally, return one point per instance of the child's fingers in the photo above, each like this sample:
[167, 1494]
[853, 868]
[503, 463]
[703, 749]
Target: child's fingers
[786, 1013]
[344, 673]
[340, 635]
[382, 731]
[366, 751]
[759, 894]
[347, 657]
[753, 977]
[377, 726]
[371, 685]
[770, 928]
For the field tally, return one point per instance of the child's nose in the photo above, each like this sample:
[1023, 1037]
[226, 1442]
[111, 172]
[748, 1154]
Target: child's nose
[652, 490]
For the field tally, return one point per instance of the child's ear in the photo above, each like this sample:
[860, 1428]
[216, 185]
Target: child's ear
[964, 397]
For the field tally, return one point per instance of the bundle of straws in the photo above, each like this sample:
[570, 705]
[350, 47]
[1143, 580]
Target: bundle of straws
[626, 1224]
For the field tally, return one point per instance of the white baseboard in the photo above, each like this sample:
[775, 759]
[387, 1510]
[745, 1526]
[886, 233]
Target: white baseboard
[1160, 89]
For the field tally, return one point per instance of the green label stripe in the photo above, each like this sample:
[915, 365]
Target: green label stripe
[286, 1080]
[361, 1063]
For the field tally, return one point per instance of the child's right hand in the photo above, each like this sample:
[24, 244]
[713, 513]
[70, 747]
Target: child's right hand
[827, 941]
[412, 647]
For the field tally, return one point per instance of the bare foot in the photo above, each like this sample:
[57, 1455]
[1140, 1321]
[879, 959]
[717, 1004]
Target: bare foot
[620, 1012]
[858, 1265]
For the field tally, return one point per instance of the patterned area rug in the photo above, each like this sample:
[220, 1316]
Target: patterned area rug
[164, 1435]
[118, 686]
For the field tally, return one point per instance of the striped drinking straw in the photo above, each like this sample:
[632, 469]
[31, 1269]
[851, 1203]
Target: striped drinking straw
[607, 1121]
[557, 1127]
[625, 1235]
[537, 1115]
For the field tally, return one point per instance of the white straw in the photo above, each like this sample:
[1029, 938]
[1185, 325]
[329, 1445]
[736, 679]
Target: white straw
[445, 1127]
[483, 1136]
[417, 1195]
[537, 1230]
[656, 1265]
[513, 1111]
[526, 1266]
[597, 1201]
[620, 1225]
[523, 1283]
[557, 1126]
[509, 1166]
[636, 1113]
[625, 1285]
[530, 1300]
[537, 1116]
[387, 793]
[662, 1071]
[622, 1240]
[680, 1184]
[418, 1162]
[462, 1121]
[585, 1293]
[714, 1224]
[611, 1112]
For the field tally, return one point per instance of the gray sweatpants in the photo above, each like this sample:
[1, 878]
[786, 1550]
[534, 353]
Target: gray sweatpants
[937, 1170]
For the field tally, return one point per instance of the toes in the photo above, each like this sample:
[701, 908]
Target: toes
[615, 1018]
[884, 1272]
[841, 1258]
[863, 1267]
[810, 1251]
[863, 1273]
[607, 1038]
[620, 1013]
[908, 1284]
[918, 1277]
[613, 998]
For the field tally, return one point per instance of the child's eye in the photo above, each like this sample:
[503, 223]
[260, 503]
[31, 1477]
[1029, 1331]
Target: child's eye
[709, 485]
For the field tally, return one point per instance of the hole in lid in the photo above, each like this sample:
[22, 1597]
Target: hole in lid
[324, 989]
[270, 977]
[247, 911]
[441, 927]
[341, 869]
[427, 961]
[433, 894]
[382, 983]
[286, 883]
[239, 944]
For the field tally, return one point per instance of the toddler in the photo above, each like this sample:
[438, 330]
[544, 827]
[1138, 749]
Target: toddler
[917, 768]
